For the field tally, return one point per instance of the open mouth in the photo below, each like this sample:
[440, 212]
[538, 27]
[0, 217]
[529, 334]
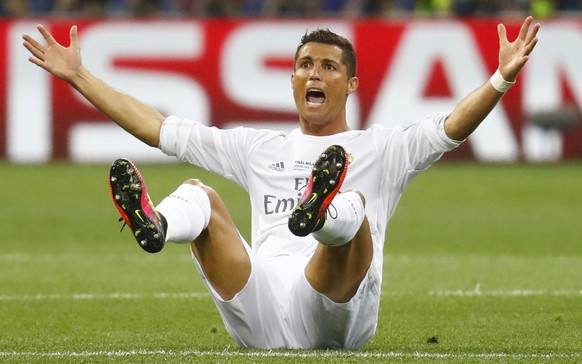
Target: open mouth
[315, 96]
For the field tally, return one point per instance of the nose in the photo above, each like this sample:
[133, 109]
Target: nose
[314, 74]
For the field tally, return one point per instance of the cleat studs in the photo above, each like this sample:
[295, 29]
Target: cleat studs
[302, 225]
[338, 164]
[135, 186]
[113, 179]
[156, 236]
[117, 197]
[143, 242]
[332, 182]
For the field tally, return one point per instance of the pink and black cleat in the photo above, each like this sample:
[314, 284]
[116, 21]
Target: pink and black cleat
[326, 178]
[129, 193]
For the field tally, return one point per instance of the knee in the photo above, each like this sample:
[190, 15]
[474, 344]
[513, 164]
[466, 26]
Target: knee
[359, 193]
[194, 182]
[212, 194]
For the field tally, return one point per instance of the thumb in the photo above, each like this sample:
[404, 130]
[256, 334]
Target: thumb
[73, 36]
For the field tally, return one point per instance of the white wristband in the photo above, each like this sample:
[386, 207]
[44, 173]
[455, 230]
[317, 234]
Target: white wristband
[499, 83]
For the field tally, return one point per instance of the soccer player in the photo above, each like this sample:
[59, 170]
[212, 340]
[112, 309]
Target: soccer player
[321, 196]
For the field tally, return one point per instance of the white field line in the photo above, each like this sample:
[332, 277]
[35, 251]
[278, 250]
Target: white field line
[102, 296]
[507, 293]
[203, 295]
[476, 292]
[284, 354]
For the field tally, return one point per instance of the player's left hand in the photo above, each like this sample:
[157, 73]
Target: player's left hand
[514, 55]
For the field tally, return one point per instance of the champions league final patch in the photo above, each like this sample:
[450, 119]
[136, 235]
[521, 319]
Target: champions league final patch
[303, 166]
[308, 166]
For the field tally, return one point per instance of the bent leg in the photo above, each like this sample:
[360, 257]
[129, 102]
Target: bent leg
[337, 271]
[220, 251]
[320, 323]
[217, 244]
[256, 317]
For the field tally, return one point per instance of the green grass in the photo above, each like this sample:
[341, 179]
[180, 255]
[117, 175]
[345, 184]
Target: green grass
[483, 263]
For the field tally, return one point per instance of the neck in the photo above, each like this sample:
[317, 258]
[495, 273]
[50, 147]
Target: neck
[322, 129]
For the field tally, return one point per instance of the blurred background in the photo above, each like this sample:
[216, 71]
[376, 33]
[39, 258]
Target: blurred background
[228, 63]
[288, 8]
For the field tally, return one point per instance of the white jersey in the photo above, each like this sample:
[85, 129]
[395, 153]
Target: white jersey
[274, 168]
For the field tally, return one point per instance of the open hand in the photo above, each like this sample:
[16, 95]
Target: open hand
[514, 55]
[63, 62]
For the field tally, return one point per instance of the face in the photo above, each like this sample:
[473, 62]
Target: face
[321, 85]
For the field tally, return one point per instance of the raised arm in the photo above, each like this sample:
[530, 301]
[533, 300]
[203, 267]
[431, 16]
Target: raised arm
[471, 111]
[137, 118]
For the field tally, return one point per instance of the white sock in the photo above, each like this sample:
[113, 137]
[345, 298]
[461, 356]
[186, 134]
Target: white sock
[187, 212]
[341, 228]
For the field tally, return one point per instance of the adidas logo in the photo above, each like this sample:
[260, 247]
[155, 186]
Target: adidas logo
[279, 166]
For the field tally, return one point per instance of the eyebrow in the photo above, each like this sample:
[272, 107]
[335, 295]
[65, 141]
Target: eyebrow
[325, 60]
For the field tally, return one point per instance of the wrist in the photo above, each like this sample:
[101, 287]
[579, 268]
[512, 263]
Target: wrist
[499, 83]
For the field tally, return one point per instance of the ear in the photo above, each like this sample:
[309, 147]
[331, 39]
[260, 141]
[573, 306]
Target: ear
[353, 85]
[292, 77]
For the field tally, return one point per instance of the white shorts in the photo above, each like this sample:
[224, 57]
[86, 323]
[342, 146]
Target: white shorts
[273, 312]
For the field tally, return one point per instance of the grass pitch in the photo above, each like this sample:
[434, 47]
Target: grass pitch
[483, 264]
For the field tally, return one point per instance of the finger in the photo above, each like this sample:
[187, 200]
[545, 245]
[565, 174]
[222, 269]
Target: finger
[34, 50]
[502, 32]
[533, 33]
[73, 36]
[46, 35]
[28, 39]
[38, 62]
[530, 46]
[524, 28]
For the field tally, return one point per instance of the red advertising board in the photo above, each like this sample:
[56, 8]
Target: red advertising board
[237, 72]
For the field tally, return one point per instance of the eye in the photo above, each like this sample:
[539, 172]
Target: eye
[305, 64]
[328, 67]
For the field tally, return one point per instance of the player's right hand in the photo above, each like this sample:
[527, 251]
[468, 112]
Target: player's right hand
[63, 62]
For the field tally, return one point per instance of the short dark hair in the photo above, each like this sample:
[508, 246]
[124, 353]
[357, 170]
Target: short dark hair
[328, 37]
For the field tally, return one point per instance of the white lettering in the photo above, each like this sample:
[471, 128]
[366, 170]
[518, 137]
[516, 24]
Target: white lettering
[251, 84]
[551, 63]
[400, 97]
[247, 80]
[168, 92]
[87, 144]
[29, 102]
